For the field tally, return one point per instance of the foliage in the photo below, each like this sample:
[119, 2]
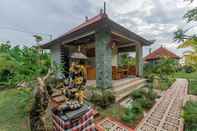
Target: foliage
[163, 68]
[133, 113]
[21, 64]
[137, 94]
[187, 38]
[193, 87]
[188, 69]
[126, 60]
[165, 84]
[38, 38]
[191, 15]
[102, 97]
[143, 99]
[145, 103]
[190, 115]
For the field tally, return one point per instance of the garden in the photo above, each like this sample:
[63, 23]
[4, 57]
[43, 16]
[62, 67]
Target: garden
[18, 81]
[19, 68]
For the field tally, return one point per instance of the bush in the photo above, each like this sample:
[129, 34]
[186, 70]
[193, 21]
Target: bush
[190, 115]
[132, 113]
[145, 103]
[193, 87]
[137, 94]
[151, 95]
[188, 69]
[102, 97]
[21, 64]
[145, 98]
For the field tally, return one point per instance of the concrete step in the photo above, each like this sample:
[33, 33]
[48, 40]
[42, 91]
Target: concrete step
[123, 91]
[124, 82]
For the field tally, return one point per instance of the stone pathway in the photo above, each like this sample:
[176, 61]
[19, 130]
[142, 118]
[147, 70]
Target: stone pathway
[165, 114]
[108, 124]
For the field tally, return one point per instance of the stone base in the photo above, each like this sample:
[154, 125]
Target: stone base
[80, 119]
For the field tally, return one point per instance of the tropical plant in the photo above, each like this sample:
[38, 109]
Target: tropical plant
[21, 64]
[163, 68]
[126, 60]
[190, 115]
[102, 97]
[187, 38]
[133, 112]
[144, 97]
[138, 94]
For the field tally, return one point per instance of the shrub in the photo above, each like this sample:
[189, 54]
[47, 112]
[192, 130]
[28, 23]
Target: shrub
[132, 113]
[21, 64]
[139, 93]
[137, 108]
[151, 95]
[193, 87]
[188, 69]
[102, 97]
[190, 115]
[145, 103]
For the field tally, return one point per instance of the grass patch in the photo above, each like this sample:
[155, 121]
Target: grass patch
[192, 77]
[190, 116]
[14, 109]
[182, 74]
[115, 111]
[193, 87]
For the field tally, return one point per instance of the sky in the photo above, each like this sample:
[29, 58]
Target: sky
[152, 19]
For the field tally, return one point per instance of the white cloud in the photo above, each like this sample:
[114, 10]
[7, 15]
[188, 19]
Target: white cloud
[153, 19]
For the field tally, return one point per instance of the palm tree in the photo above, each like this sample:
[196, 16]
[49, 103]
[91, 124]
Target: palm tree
[191, 56]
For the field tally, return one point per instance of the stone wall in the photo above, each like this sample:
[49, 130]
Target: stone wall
[103, 60]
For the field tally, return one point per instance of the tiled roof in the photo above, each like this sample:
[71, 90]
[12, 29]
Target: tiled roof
[161, 52]
[100, 21]
[87, 22]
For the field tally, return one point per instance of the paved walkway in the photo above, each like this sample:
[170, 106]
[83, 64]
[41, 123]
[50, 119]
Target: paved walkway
[165, 114]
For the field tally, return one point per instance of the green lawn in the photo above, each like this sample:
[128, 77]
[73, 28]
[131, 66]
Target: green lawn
[193, 80]
[182, 74]
[13, 109]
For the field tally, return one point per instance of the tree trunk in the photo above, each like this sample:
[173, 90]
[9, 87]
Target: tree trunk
[39, 106]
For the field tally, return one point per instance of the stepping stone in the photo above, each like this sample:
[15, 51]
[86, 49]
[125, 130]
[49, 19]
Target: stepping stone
[108, 124]
[166, 113]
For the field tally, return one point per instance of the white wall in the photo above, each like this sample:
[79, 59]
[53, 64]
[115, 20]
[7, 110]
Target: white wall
[56, 54]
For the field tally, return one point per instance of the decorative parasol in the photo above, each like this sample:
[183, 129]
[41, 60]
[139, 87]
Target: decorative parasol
[78, 55]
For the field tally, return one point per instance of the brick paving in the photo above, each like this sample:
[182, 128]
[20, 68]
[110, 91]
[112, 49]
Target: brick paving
[165, 114]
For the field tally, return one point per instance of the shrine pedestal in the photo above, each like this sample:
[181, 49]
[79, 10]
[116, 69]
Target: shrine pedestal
[76, 120]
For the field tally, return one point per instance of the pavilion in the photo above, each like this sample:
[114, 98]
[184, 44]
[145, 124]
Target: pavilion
[101, 40]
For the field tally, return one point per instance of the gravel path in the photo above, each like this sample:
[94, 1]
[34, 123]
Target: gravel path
[165, 114]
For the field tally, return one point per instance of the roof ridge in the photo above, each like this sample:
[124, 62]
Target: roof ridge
[89, 21]
[161, 51]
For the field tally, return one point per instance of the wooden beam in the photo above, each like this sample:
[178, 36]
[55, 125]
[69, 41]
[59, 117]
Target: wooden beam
[126, 45]
[78, 37]
[125, 37]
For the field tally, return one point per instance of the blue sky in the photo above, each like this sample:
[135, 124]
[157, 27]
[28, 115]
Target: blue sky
[152, 19]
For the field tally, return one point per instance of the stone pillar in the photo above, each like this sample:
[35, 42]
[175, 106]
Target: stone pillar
[139, 60]
[56, 54]
[115, 56]
[103, 59]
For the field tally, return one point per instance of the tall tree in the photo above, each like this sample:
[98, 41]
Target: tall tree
[188, 40]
